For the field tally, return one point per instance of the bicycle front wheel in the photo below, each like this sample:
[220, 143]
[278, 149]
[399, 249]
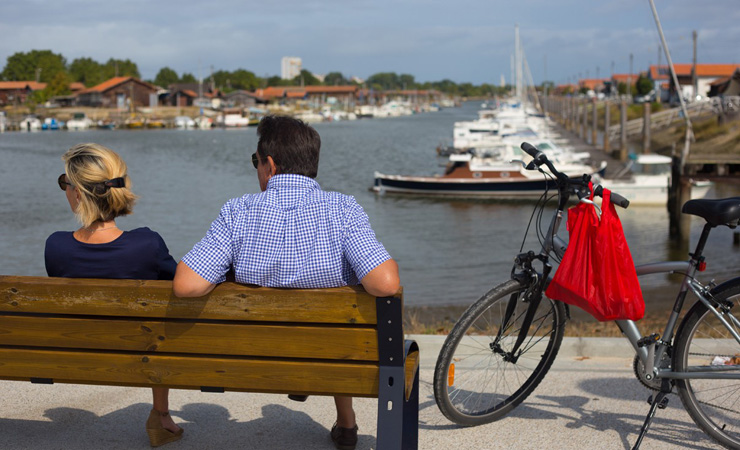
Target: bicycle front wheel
[704, 343]
[476, 380]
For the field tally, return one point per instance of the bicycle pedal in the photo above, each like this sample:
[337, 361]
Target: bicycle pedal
[663, 403]
[648, 340]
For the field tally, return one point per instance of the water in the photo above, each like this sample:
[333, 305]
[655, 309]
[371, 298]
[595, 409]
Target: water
[449, 251]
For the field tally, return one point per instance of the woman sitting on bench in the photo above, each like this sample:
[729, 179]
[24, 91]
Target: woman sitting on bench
[98, 190]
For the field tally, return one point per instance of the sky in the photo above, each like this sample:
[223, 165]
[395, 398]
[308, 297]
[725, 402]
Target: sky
[461, 40]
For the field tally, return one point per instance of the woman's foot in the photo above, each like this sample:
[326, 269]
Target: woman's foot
[161, 428]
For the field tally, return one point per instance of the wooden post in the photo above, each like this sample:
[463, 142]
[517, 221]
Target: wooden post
[584, 125]
[623, 131]
[646, 127]
[607, 121]
[573, 115]
[594, 123]
[678, 194]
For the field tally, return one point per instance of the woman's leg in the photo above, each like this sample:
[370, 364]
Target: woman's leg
[161, 403]
[345, 413]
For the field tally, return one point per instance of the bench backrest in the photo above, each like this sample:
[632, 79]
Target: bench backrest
[243, 338]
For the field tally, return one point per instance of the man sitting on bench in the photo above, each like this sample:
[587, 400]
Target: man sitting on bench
[291, 235]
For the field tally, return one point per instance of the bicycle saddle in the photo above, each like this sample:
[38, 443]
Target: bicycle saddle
[724, 211]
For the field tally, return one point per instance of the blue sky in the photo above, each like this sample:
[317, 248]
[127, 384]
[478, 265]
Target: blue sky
[463, 40]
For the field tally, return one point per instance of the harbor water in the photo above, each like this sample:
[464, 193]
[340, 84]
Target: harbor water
[450, 252]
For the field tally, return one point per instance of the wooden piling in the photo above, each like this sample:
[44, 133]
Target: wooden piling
[623, 131]
[679, 193]
[584, 127]
[607, 120]
[646, 127]
[594, 123]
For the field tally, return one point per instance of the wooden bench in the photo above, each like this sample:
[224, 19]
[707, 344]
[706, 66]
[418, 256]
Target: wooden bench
[339, 341]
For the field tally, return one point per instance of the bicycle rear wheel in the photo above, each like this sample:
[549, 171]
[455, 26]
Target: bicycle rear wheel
[703, 342]
[475, 382]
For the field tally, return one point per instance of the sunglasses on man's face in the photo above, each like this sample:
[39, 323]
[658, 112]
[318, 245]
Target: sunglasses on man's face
[62, 181]
[255, 159]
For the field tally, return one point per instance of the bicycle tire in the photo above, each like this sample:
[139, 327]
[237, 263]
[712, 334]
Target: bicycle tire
[476, 361]
[713, 404]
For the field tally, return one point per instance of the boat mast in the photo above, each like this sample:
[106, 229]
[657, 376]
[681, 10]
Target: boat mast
[518, 60]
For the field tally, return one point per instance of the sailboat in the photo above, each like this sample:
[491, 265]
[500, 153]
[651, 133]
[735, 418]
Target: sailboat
[483, 163]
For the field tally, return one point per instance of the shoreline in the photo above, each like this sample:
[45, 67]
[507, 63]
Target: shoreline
[439, 320]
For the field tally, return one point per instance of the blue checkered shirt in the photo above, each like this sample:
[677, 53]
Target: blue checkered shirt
[291, 235]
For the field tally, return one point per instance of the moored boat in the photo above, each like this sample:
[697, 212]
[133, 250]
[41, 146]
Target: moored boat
[646, 180]
[489, 173]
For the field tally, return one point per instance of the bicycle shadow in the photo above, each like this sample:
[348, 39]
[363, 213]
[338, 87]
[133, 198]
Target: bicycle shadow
[590, 412]
[206, 426]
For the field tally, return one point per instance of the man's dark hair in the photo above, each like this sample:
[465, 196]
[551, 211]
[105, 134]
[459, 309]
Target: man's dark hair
[293, 145]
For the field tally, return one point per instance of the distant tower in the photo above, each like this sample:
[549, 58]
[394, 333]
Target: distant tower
[290, 67]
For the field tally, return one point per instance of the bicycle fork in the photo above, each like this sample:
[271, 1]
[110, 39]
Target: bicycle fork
[532, 296]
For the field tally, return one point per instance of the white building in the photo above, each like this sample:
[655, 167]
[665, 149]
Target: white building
[290, 67]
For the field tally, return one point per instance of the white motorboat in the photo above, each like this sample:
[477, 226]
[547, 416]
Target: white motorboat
[30, 123]
[649, 181]
[79, 122]
[184, 123]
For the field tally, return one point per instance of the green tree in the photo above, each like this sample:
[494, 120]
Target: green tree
[406, 81]
[383, 81]
[643, 85]
[277, 81]
[306, 78]
[335, 79]
[87, 71]
[121, 68]
[244, 79]
[25, 66]
[188, 78]
[165, 77]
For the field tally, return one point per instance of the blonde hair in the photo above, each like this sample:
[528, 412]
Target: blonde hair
[88, 167]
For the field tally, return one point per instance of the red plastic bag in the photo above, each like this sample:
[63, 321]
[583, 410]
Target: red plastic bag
[597, 273]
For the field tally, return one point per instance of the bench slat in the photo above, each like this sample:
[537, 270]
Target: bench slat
[228, 301]
[146, 370]
[188, 337]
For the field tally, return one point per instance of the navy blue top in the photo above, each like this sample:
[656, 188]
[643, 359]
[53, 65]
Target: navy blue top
[139, 254]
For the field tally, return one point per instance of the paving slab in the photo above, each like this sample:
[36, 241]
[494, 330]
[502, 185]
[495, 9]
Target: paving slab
[584, 402]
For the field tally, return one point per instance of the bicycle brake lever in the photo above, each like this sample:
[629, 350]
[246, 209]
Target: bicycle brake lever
[519, 161]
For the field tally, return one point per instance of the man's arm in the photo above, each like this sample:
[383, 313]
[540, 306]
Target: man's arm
[188, 283]
[382, 281]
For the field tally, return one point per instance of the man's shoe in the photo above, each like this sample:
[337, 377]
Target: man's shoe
[344, 438]
[297, 398]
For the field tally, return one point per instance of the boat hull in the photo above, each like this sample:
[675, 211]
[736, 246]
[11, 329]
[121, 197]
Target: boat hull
[460, 187]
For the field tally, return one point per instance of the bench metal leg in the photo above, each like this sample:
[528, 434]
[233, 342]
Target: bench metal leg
[410, 440]
[398, 419]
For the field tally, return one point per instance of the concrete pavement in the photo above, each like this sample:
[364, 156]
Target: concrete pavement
[590, 399]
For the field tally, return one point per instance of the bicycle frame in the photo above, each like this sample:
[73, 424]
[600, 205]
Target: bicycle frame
[652, 354]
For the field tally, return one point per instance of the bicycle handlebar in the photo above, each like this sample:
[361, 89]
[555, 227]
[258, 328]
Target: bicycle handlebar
[539, 158]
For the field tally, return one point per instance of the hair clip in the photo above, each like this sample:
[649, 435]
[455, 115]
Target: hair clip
[115, 183]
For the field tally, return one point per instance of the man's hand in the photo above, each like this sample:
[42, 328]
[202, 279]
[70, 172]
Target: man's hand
[382, 281]
[187, 283]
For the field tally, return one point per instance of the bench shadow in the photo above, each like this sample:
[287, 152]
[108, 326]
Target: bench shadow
[580, 411]
[206, 425]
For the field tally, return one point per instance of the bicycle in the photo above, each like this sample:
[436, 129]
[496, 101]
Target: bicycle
[503, 345]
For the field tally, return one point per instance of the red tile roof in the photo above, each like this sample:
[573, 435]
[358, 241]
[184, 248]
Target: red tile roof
[113, 82]
[623, 77]
[34, 86]
[76, 86]
[591, 83]
[702, 70]
[105, 85]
